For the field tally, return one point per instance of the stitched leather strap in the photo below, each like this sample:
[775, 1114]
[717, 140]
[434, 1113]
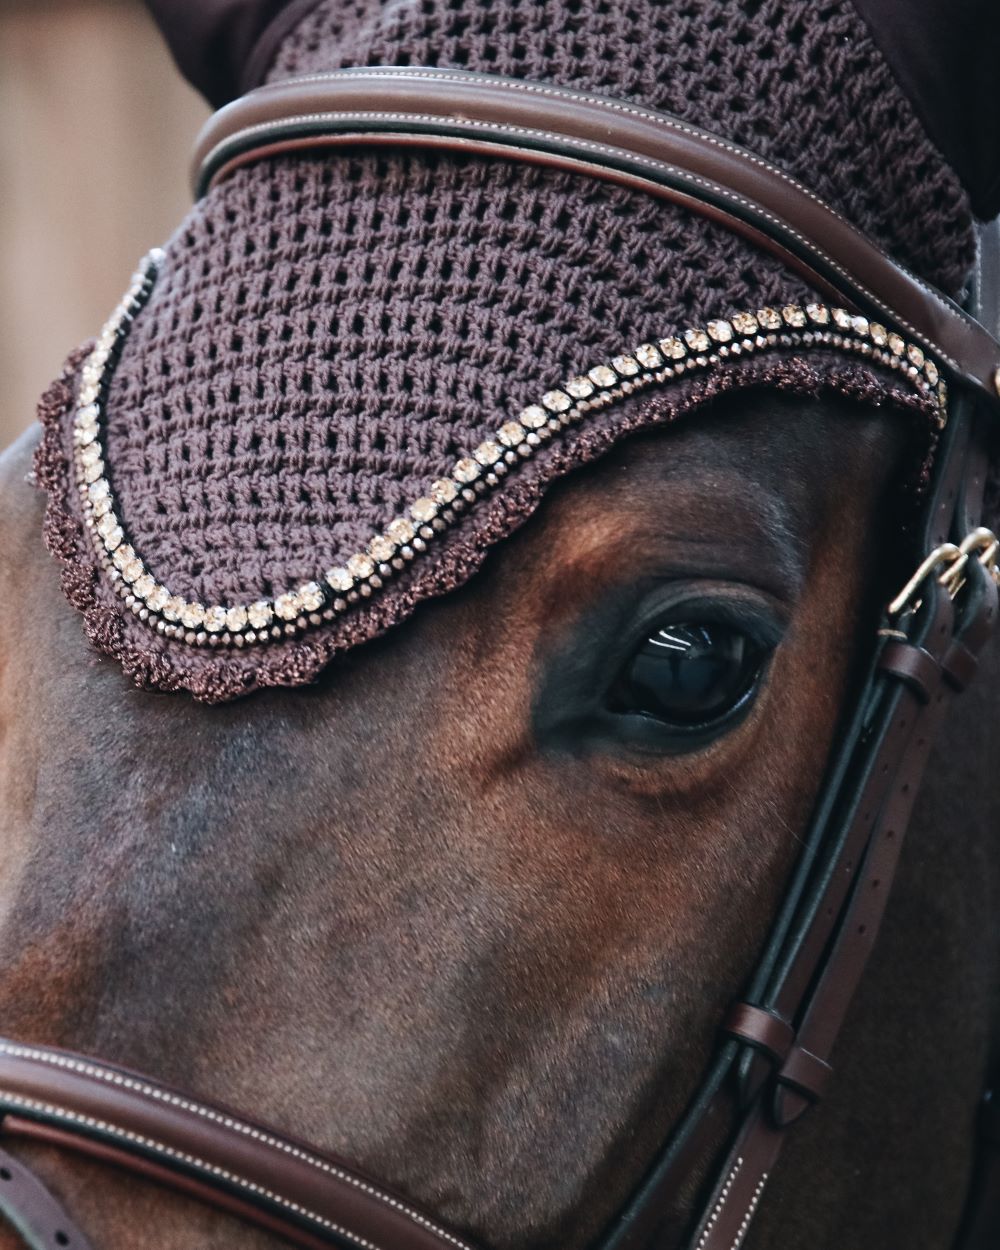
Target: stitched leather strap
[816, 982]
[311, 1198]
[830, 914]
[16, 1127]
[605, 138]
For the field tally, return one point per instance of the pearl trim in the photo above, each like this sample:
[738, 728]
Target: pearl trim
[364, 573]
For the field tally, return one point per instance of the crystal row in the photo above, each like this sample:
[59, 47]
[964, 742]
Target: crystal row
[404, 539]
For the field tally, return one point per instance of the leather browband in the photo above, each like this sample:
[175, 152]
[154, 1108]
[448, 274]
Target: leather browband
[606, 138]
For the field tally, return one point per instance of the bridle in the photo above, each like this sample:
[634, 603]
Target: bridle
[773, 1059]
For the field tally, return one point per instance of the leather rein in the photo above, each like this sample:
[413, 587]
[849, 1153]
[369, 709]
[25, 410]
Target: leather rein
[773, 1059]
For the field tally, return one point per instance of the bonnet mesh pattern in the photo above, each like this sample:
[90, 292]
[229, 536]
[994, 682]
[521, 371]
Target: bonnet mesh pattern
[330, 332]
[798, 81]
[444, 305]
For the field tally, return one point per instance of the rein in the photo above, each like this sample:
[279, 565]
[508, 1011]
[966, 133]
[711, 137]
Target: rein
[773, 1060]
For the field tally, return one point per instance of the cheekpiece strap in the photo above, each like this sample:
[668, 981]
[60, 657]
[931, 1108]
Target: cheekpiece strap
[615, 140]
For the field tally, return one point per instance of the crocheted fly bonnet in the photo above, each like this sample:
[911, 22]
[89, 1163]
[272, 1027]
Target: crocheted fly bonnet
[353, 370]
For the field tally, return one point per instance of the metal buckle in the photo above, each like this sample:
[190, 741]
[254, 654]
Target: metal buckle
[980, 540]
[954, 558]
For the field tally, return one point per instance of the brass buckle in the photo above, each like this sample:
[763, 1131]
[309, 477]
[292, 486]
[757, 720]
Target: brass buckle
[980, 540]
[954, 558]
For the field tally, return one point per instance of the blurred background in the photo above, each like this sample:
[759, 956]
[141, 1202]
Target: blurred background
[98, 126]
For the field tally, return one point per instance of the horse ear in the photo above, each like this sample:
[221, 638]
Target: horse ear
[944, 54]
[223, 47]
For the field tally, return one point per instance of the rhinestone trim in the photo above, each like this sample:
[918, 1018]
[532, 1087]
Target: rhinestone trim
[362, 574]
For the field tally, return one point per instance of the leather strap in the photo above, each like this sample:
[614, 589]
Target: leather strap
[33, 1211]
[981, 1222]
[606, 138]
[981, 1225]
[880, 751]
[917, 667]
[16, 1127]
[764, 1030]
[814, 980]
[310, 1197]
[819, 977]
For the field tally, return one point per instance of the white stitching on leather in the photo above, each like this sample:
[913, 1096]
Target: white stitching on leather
[607, 149]
[621, 106]
[234, 1125]
[113, 1130]
[995, 328]
[744, 1227]
[720, 1204]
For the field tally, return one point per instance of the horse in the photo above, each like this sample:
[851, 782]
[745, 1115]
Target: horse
[461, 910]
[504, 969]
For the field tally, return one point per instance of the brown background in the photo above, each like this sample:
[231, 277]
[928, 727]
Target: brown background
[97, 127]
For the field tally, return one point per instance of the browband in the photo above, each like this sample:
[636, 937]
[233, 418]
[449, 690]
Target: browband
[607, 138]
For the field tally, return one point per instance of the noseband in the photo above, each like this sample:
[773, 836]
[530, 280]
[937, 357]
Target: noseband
[773, 1058]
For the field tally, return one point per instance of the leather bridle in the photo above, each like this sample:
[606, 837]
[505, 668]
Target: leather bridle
[774, 1057]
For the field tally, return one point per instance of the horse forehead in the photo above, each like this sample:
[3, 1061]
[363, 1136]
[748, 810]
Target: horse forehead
[755, 475]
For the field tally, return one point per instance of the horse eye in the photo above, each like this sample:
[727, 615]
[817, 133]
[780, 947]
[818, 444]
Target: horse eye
[689, 673]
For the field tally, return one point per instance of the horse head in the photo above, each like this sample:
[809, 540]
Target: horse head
[462, 887]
